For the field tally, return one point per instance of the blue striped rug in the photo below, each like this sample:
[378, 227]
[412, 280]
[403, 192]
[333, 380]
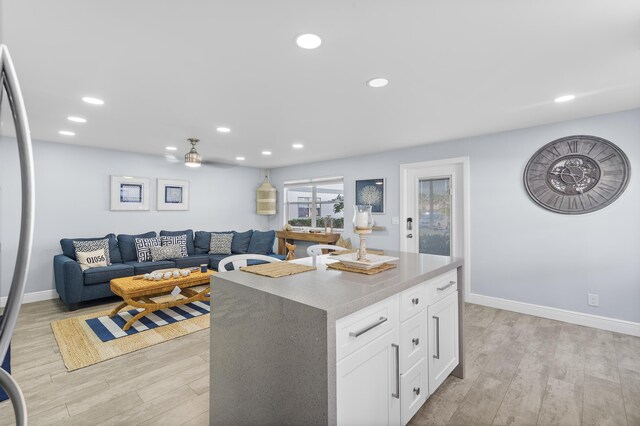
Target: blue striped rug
[111, 328]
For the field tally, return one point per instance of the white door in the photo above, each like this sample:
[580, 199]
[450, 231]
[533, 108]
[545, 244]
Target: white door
[434, 209]
[368, 387]
[442, 320]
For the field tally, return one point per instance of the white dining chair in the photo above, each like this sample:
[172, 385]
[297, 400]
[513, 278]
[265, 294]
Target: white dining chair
[316, 249]
[240, 260]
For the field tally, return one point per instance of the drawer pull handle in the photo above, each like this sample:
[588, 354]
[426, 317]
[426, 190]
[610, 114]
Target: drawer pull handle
[451, 283]
[416, 390]
[367, 328]
[415, 300]
[416, 341]
[437, 354]
[397, 350]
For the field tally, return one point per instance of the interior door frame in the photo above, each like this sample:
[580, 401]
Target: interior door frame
[405, 170]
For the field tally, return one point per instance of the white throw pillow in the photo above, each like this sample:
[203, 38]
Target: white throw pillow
[91, 259]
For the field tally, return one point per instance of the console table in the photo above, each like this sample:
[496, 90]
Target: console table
[320, 238]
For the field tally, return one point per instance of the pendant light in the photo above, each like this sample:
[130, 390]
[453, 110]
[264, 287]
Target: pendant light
[266, 197]
[192, 158]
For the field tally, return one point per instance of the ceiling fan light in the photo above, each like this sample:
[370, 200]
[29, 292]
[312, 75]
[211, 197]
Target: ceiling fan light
[192, 158]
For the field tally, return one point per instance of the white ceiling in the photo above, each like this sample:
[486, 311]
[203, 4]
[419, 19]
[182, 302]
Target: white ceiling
[169, 70]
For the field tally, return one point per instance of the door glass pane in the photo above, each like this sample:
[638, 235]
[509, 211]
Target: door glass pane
[434, 209]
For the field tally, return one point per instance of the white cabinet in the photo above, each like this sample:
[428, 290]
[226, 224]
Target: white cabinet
[368, 385]
[393, 354]
[442, 320]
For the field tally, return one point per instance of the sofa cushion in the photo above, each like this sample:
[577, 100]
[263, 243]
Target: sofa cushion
[146, 267]
[176, 240]
[262, 242]
[188, 262]
[240, 242]
[143, 248]
[128, 245]
[220, 243]
[69, 250]
[165, 252]
[187, 232]
[201, 242]
[105, 274]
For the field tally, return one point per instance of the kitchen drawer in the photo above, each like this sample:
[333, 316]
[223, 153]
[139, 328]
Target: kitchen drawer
[442, 286]
[412, 302]
[414, 389]
[356, 330]
[413, 341]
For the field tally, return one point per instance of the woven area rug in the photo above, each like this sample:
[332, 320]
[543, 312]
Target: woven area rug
[80, 347]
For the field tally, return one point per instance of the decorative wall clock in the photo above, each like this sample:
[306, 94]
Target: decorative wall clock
[577, 174]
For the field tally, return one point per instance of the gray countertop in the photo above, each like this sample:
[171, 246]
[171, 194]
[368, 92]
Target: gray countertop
[342, 293]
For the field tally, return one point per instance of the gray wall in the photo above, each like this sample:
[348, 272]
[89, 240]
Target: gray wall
[72, 200]
[520, 251]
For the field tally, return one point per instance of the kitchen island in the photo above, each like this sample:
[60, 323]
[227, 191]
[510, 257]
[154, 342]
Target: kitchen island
[331, 347]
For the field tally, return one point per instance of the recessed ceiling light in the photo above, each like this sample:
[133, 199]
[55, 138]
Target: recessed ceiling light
[66, 133]
[308, 41]
[93, 101]
[171, 148]
[77, 119]
[266, 152]
[377, 82]
[240, 158]
[565, 98]
[297, 146]
[223, 129]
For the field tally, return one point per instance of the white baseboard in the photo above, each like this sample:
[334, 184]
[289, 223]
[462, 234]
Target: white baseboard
[36, 296]
[588, 320]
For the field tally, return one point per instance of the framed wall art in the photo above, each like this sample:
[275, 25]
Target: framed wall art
[129, 193]
[173, 194]
[371, 192]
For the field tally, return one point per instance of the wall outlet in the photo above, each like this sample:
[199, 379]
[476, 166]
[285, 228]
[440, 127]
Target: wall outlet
[395, 220]
[593, 300]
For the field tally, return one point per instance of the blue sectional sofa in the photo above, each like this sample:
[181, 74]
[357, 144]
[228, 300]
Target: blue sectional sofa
[74, 285]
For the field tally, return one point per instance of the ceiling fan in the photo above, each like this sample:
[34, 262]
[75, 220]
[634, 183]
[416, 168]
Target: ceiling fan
[193, 158]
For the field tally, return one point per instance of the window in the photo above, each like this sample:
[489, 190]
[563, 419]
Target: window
[307, 203]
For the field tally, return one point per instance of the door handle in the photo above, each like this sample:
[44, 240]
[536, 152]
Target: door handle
[367, 328]
[437, 354]
[397, 392]
[409, 235]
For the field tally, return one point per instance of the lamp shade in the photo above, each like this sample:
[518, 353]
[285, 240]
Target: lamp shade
[266, 198]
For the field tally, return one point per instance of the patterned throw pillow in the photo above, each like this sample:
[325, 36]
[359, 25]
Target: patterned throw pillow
[220, 243]
[91, 259]
[170, 251]
[93, 245]
[180, 240]
[143, 248]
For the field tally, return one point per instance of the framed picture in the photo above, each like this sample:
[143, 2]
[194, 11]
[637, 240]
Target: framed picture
[371, 192]
[173, 194]
[129, 193]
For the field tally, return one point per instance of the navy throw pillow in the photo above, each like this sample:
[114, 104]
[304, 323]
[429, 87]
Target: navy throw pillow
[240, 242]
[262, 242]
[127, 245]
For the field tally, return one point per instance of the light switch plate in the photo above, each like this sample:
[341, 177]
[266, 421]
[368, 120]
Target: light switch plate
[395, 220]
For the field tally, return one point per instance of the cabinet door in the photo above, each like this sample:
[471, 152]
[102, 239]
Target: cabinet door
[442, 320]
[368, 387]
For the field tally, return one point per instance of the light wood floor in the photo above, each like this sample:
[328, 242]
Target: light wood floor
[521, 370]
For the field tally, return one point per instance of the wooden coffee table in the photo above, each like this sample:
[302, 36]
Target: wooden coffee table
[138, 292]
